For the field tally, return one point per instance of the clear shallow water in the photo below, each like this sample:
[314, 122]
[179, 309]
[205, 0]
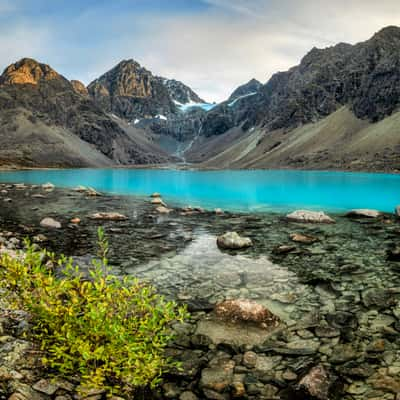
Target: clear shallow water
[234, 190]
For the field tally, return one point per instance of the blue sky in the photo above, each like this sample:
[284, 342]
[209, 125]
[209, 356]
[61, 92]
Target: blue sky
[211, 45]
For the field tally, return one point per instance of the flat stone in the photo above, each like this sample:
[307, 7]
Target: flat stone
[363, 213]
[283, 249]
[384, 382]
[232, 241]
[110, 216]
[249, 359]
[300, 238]
[45, 386]
[310, 217]
[50, 223]
[157, 200]
[219, 377]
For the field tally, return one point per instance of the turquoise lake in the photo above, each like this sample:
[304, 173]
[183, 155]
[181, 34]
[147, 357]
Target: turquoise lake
[254, 191]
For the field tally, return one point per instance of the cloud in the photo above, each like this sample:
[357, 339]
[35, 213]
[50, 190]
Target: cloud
[213, 48]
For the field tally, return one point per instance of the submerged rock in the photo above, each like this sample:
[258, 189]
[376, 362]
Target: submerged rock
[246, 311]
[300, 238]
[397, 210]
[50, 223]
[232, 241]
[158, 200]
[310, 216]
[155, 195]
[363, 213]
[393, 254]
[111, 216]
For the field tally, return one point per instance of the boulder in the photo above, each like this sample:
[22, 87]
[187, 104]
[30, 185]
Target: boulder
[363, 213]
[242, 310]
[50, 223]
[232, 241]
[310, 217]
[155, 195]
[300, 238]
[110, 216]
[92, 192]
[397, 210]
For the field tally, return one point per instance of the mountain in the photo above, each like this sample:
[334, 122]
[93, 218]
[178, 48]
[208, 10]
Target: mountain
[132, 92]
[180, 93]
[45, 120]
[249, 88]
[350, 91]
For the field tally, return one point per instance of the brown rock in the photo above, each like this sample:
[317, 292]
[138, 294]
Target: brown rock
[80, 88]
[300, 238]
[75, 221]
[110, 216]
[242, 310]
[310, 217]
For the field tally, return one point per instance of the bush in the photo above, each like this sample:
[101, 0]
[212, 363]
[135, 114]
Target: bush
[111, 331]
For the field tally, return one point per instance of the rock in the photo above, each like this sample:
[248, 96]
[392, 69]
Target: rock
[232, 241]
[45, 386]
[397, 211]
[300, 238]
[163, 210]
[155, 195]
[284, 249]
[157, 200]
[310, 217]
[75, 221]
[187, 396]
[92, 192]
[218, 211]
[7, 200]
[48, 186]
[38, 196]
[246, 311]
[218, 378]
[384, 382]
[363, 213]
[379, 297]
[249, 359]
[40, 238]
[342, 354]
[50, 223]
[238, 389]
[317, 383]
[108, 216]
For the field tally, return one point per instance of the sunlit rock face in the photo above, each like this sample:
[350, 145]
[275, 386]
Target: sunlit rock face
[80, 88]
[28, 71]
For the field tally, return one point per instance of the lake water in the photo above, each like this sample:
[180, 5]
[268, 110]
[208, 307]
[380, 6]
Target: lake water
[254, 191]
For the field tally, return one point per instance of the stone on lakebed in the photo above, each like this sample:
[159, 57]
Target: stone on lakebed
[363, 213]
[397, 210]
[232, 241]
[310, 217]
[50, 223]
[110, 216]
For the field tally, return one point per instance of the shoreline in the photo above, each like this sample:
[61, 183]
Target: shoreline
[334, 290]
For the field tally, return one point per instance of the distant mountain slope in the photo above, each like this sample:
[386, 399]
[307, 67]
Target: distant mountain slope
[340, 141]
[45, 121]
[302, 102]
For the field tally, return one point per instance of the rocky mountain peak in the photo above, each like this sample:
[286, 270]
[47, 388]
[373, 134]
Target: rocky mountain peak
[79, 87]
[390, 32]
[181, 93]
[251, 86]
[127, 78]
[28, 71]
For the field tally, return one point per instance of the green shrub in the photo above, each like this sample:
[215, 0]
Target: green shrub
[111, 331]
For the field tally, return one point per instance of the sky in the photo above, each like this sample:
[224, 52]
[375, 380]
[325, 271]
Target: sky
[211, 45]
